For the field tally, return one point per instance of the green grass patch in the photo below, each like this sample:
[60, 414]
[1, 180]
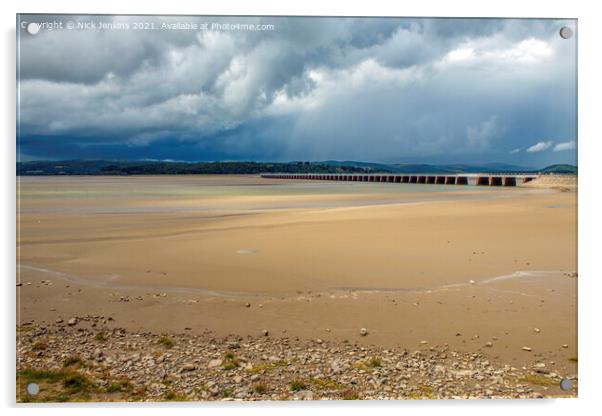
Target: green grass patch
[423, 392]
[265, 367]
[326, 384]
[55, 385]
[172, 396]
[297, 385]
[76, 383]
[368, 364]
[38, 376]
[120, 386]
[230, 361]
[538, 380]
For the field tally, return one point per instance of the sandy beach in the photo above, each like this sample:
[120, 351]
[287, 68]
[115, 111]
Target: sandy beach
[476, 270]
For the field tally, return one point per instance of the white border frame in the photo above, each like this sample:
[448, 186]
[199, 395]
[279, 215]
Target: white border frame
[590, 32]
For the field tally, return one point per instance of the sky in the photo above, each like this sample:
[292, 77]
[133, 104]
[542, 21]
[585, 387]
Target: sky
[389, 90]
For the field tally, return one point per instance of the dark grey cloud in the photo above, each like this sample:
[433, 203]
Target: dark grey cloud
[382, 89]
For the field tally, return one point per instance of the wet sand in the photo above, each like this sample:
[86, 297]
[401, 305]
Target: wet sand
[241, 254]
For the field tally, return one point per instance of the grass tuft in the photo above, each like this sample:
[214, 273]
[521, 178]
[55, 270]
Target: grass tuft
[120, 386]
[166, 341]
[101, 337]
[327, 384]
[369, 364]
[297, 385]
[260, 388]
[230, 361]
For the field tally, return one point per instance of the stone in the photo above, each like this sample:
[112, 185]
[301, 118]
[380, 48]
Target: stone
[565, 345]
[238, 379]
[472, 282]
[188, 367]
[536, 330]
[247, 305]
[304, 395]
[59, 321]
[526, 348]
[214, 363]
[363, 332]
[489, 344]
[265, 332]
[337, 366]
[72, 321]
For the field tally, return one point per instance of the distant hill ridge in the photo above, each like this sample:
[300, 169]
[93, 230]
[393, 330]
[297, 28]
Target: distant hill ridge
[116, 167]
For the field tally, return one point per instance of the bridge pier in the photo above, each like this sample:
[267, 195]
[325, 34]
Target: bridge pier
[495, 181]
[483, 180]
[509, 181]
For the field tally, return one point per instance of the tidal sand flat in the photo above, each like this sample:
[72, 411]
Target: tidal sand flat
[350, 270]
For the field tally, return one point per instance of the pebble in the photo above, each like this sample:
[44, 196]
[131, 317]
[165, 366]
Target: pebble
[536, 330]
[214, 363]
[72, 321]
[363, 332]
[265, 332]
[189, 367]
[526, 348]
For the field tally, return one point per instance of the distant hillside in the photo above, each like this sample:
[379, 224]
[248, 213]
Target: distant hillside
[108, 167]
[560, 169]
[428, 168]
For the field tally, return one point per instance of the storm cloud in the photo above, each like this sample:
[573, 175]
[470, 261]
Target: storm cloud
[372, 89]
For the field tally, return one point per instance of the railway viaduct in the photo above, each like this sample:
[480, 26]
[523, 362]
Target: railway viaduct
[479, 179]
